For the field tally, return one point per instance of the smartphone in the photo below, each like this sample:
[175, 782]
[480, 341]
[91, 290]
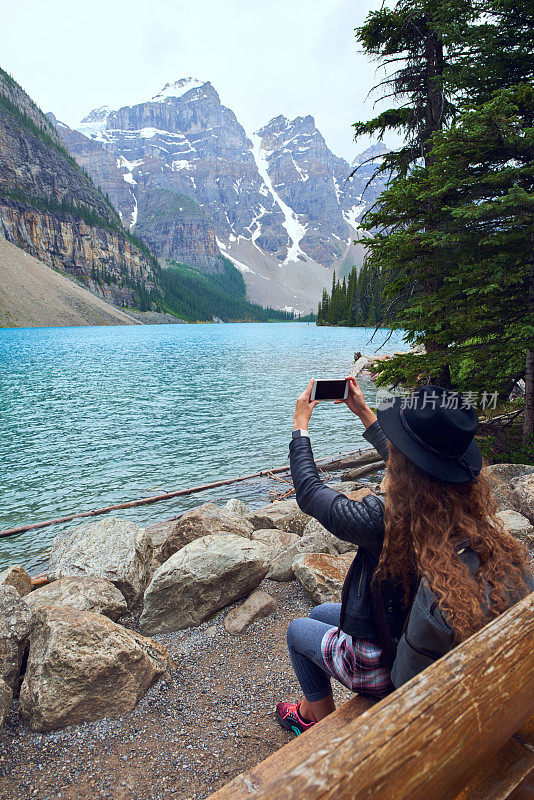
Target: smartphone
[330, 389]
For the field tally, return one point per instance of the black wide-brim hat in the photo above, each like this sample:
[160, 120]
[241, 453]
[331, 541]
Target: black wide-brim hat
[434, 428]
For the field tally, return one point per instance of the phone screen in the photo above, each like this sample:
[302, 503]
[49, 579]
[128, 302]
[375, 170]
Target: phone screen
[330, 390]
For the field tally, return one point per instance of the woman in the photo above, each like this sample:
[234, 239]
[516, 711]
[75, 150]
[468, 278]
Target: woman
[434, 537]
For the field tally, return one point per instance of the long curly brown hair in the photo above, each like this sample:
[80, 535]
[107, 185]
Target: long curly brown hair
[425, 518]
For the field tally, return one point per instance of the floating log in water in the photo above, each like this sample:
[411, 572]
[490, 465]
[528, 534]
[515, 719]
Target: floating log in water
[348, 459]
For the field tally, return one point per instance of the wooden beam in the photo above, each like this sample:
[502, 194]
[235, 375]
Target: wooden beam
[423, 742]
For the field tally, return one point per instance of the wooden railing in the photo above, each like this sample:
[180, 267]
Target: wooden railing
[444, 735]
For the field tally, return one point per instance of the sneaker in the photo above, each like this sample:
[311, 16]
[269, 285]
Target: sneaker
[289, 718]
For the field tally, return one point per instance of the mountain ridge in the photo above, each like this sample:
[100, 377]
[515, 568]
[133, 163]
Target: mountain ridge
[275, 202]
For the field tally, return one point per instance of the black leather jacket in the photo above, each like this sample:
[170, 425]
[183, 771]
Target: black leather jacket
[358, 522]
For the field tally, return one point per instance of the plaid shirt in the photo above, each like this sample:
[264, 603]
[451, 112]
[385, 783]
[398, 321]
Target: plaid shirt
[356, 663]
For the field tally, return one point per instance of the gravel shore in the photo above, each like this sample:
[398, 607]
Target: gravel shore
[212, 719]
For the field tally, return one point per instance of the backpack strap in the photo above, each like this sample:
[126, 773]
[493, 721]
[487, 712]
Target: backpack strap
[345, 594]
[388, 646]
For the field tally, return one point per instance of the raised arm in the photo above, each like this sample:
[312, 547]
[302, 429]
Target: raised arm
[358, 522]
[354, 521]
[373, 432]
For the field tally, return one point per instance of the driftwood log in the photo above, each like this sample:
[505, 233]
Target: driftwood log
[330, 465]
[444, 735]
[354, 474]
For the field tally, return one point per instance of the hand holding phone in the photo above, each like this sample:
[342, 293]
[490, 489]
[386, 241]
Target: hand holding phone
[303, 408]
[330, 389]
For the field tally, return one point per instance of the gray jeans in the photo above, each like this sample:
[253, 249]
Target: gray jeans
[304, 637]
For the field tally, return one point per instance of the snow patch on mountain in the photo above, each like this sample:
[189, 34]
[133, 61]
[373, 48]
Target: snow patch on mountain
[95, 122]
[239, 264]
[295, 229]
[178, 89]
[352, 216]
[134, 212]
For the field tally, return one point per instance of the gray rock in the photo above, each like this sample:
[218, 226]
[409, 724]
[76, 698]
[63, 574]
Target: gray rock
[315, 527]
[83, 667]
[259, 604]
[115, 549]
[524, 492]
[520, 527]
[285, 515]
[17, 576]
[275, 539]
[282, 566]
[159, 532]
[85, 594]
[502, 478]
[237, 506]
[202, 521]
[14, 635]
[6, 698]
[201, 578]
[508, 472]
[322, 576]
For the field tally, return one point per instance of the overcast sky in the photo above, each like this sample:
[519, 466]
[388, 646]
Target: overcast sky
[264, 57]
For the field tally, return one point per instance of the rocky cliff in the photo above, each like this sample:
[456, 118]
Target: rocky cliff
[34, 295]
[188, 179]
[106, 262]
[50, 208]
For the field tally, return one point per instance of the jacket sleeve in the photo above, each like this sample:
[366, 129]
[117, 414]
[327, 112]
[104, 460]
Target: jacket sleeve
[376, 436]
[352, 521]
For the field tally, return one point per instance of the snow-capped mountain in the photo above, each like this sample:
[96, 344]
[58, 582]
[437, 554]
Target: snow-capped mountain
[187, 178]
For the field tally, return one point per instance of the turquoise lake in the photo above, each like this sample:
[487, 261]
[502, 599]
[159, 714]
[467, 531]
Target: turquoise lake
[96, 416]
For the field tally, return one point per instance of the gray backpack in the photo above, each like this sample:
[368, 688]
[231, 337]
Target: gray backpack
[427, 636]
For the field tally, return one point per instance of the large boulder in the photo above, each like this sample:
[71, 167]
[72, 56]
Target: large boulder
[520, 527]
[285, 514]
[82, 667]
[115, 549]
[202, 521]
[201, 578]
[14, 635]
[276, 540]
[85, 594]
[6, 698]
[503, 478]
[17, 577]
[260, 604]
[322, 576]
[315, 527]
[282, 566]
[524, 492]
